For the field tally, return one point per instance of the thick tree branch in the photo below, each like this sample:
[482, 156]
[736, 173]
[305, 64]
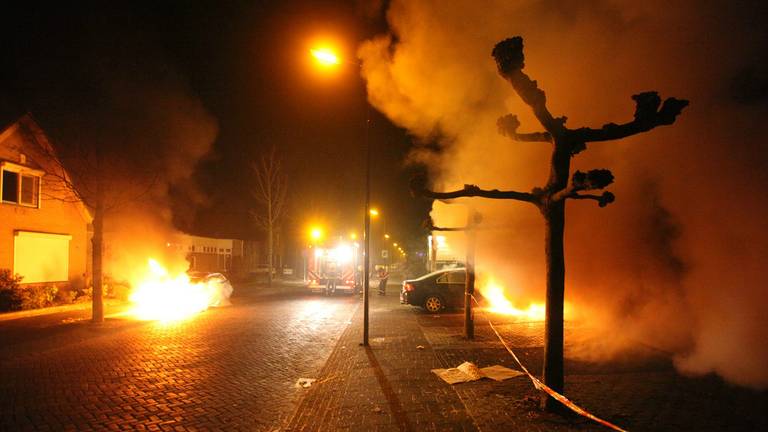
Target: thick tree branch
[602, 200]
[419, 189]
[508, 125]
[648, 115]
[449, 229]
[510, 62]
[581, 181]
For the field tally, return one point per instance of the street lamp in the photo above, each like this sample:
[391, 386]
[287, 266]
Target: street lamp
[316, 233]
[325, 56]
[328, 58]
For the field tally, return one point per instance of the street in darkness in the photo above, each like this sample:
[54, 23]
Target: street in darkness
[232, 368]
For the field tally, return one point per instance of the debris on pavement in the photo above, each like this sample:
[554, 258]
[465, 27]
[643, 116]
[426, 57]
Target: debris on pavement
[305, 382]
[419, 347]
[468, 371]
[377, 410]
[500, 373]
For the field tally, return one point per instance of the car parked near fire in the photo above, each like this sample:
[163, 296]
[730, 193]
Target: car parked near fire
[220, 289]
[436, 291]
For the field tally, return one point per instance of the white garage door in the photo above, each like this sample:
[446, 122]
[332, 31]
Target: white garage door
[41, 257]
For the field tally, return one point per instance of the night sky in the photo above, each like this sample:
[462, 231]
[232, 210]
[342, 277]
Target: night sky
[99, 72]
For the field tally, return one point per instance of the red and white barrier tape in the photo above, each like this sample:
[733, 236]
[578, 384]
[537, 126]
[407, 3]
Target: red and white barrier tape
[541, 386]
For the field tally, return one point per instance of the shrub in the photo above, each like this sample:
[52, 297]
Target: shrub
[65, 296]
[10, 291]
[14, 296]
[37, 296]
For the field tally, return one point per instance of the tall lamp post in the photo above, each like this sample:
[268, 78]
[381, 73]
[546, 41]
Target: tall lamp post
[328, 58]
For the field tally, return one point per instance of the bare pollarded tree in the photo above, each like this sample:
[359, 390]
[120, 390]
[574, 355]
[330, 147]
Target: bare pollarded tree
[550, 199]
[95, 173]
[269, 192]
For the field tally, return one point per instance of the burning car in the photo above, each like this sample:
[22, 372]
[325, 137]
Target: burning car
[221, 288]
[436, 291]
[163, 295]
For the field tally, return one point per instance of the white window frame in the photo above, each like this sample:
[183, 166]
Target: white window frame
[21, 171]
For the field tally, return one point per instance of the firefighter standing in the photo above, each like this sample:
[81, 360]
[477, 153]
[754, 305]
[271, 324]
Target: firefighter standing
[333, 276]
[383, 277]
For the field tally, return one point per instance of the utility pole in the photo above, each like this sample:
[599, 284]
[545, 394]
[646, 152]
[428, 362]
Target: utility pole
[367, 227]
[473, 220]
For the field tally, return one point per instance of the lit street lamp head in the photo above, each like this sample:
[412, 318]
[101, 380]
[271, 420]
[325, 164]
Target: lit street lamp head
[325, 56]
[316, 233]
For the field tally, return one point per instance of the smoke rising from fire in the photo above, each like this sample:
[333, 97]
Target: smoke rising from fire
[121, 113]
[677, 261]
[180, 132]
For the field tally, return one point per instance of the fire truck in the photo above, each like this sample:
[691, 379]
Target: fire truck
[334, 269]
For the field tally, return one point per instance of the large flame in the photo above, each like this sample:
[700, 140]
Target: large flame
[497, 302]
[158, 295]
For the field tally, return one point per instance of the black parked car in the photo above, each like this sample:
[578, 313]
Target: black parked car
[436, 291]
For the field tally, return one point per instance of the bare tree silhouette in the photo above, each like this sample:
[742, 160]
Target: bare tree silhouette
[550, 199]
[104, 181]
[270, 193]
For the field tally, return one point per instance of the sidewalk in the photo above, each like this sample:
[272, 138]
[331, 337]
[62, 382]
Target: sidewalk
[242, 289]
[389, 387]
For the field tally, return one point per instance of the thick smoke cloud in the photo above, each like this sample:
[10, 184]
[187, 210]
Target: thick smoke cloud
[123, 118]
[169, 131]
[677, 261]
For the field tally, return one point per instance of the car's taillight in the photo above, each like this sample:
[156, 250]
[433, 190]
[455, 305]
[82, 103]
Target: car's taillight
[408, 287]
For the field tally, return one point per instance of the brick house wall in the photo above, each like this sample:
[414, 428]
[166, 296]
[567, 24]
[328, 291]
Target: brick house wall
[39, 223]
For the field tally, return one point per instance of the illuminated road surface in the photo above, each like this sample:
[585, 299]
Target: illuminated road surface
[232, 368]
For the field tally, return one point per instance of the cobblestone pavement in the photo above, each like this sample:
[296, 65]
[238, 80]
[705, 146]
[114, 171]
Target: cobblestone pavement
[232, 368]
[385, 387]
[638, 390]
[389, 387]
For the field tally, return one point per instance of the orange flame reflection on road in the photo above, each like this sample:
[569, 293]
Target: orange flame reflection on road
[157, 295]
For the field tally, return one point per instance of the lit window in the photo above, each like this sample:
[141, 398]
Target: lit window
[30, 188]
[20, 188]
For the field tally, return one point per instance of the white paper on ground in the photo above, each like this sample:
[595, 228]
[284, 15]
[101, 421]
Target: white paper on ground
[500, 373]
[468, 371]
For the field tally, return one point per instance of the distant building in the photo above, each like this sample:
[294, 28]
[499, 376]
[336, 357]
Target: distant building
[441, 253]
[207, 254]
[44, 233]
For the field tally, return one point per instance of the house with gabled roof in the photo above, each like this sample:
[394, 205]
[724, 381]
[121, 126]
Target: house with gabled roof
[44, 228]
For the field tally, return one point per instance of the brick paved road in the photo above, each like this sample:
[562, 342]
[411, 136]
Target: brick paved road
[228, 369]
[638, 390]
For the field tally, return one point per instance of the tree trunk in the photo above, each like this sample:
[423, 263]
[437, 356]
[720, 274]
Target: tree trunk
[270, 252]
[98, 271]
[554, 217]
[433, 255]
[469, 288]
